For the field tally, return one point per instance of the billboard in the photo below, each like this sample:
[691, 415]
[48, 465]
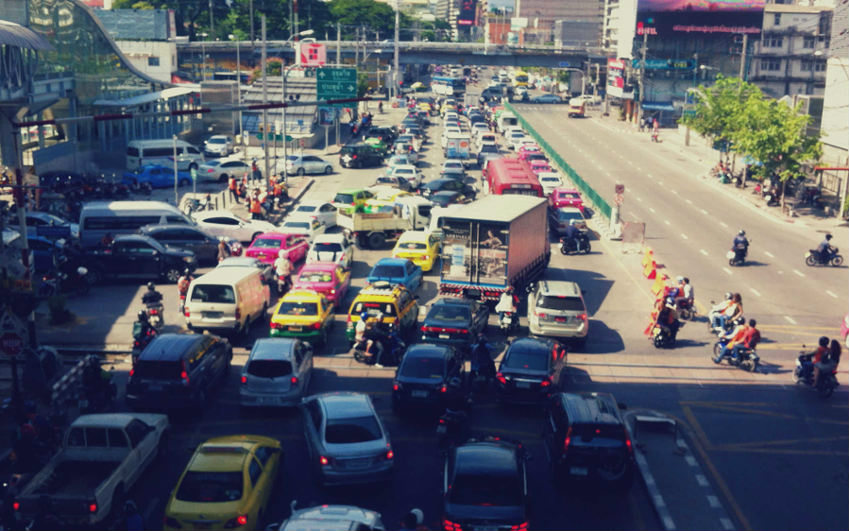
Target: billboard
[468, 10]
[668, 17]
[311, 53]
[615, 77]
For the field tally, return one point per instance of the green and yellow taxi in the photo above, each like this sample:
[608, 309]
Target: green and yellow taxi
[226, 485]
[303, 313]
[351, 198]
[395, 302]
[420, 247]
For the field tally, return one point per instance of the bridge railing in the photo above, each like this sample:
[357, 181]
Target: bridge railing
[590, 195]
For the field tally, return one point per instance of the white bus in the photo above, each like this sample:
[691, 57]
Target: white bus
[123, 217]
[142, 152]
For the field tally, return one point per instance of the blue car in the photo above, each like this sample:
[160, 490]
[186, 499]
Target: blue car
[157, 176]
[397, 271]
[43, 253]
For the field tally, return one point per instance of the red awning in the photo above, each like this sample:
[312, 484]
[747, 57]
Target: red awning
[831, 168]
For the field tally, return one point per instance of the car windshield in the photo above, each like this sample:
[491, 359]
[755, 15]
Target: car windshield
[412, 246]
[569, 215]
[429, 368]
[156, 370]
[553, 302]
[343, 198]
[269, 368]
[519, 357]
[210, 487]
[352, 430]
[214, 140]
[486, 490]
[315, 276]
[569, 195]
[298, 308]
[450, 312]
[266, 243]
[213, 293]
[327, 247]
[372, 308]
[550, 180]
[306, 208]
[387, 271]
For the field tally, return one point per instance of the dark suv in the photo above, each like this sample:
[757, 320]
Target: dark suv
[360, 156]
[586, 438]
[387, 135]
[178, 370]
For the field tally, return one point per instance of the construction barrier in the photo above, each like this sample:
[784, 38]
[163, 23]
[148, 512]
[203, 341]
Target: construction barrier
[650, 270]
[659, 283]
[648, 256]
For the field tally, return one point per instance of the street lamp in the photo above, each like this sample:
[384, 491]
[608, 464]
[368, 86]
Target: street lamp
[238, 83]
[203, 36]
[284, 73]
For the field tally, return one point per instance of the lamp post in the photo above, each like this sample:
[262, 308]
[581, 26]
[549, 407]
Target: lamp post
[284, 73]
[203, 37]
[238, 79]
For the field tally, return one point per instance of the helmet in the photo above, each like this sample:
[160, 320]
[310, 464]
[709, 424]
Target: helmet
[281, 253]
[728, 295]
[740, 321]
[364, 316]
[679, 279]
[151, 286]
[187, 271]
[828, 237]
[823, 341]
[142, 315]
[741, 233]
[418, 515]
[130, 507]
[455, 382]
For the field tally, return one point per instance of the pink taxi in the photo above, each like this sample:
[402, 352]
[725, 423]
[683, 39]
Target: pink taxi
[266, 246]
[540, 166]
[527, 149]
[566, 197]
[327, 278]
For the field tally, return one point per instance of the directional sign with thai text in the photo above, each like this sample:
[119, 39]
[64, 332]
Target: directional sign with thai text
[336, 84]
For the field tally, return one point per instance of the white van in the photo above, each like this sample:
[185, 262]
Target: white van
[141, 152]
[123, 217]
[505, 120]
[227, 300]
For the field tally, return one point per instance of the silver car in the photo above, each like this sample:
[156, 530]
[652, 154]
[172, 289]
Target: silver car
[277, 373]
[218, 145]
[346, 440]
[330, 517]
[303, 164]
[556, 309]
[220, 170]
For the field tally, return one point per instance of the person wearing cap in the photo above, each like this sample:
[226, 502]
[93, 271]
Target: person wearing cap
[413, 521]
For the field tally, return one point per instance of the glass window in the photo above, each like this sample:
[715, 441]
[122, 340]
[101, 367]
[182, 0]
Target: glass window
[264, 453]
[176, 219]
[222, 221]
[76, 437]
[117, 439]
[211, 486]
[553, 302]
[297, 308]
[254, 471]
[486, 490]
[157, 370]
[429, 368]
[387, 271]
[213, 293]
[520, 357]
[266, 243]
[777, 19]
[269, 368]
[352, 430]
[450, 312]
[137, 431]
[95, 437]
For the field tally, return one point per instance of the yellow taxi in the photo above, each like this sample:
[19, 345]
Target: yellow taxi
[424, 106]
[420, 247]
[303, 313]
[397, 304]
[226, 484]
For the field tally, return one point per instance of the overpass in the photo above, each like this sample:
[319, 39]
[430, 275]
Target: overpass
[410, 52]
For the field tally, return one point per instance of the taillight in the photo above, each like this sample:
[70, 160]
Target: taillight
[132, 372]
[92, 507]
[239, 521]
[628, 444]
[244, 379]
[396, 386]
[520, 527]
[294, 380]
[154, 312]
[389, 453]
[500, 377]
[275, 325]
[567, 440]
[187, 313]
[448, 525]
[210, 170]
[316, 326]
[545, 383]
[183, 374]
[443, 389]
[582, 317]
[323, 460]
[16, 505]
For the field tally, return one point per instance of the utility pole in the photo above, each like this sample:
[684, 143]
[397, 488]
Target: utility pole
[284, 72]
[395, 75]
[265, 128]
[291, 18]
[643, 73]
[338, 43]
[295, 11]
[743, 69]
[252, 22]
[211, 20]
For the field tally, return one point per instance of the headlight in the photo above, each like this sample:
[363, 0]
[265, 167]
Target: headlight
[188, 259]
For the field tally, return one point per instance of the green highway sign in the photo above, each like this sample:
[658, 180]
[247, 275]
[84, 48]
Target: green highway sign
[278, 137]
[336, 84]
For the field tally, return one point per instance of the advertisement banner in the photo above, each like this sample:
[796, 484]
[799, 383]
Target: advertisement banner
[465, 262]
[311, 54]
[668, 17]
[326, 115]
[615, 77]
[468, 12]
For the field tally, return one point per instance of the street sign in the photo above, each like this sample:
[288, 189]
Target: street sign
[11, 344]
[619, 189]
[336, 84]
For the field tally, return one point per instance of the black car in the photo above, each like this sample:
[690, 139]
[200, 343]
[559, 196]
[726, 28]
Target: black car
[449, 185]
[423, 375]
[386, 135]
[485, 486]
[138, 256]
[445, 198]
[456, 322]
[178, 371]
[453, 173]
[494, 92]
[587, 439]
[530, 370]
[360, 156]
[417, 132]
[203, 244]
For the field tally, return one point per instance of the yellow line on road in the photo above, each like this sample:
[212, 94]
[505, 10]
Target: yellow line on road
[805, 331]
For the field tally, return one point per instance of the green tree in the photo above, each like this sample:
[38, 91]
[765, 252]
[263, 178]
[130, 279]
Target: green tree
[362, 84]
[374, 16]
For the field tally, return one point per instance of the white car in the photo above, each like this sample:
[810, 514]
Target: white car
[323, 211]
[331, 517]
[222, 169]
[332, 248]
[479, 128]
[452, 164]
[225, 223]
[218, 145]
[306, 225]
[549, 181]
[409, 172]
[514, 140]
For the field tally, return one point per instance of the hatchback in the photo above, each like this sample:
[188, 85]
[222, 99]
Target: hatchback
[556, 308]
[530, 370]
[423, 375]
[563, 216]
[277, 372]
[346, 440]
[327, 278]
[334, 248]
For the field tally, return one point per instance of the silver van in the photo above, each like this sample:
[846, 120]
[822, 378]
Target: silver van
[227, 300]
[99, 218]
[142, 152]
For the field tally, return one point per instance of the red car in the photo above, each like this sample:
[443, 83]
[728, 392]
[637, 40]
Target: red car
[563, 197]
[540, 166]
[267, 245]
[527, 149]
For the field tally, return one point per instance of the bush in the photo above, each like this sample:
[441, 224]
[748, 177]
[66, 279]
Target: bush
[59, 314]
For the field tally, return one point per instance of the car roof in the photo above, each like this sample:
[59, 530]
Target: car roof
[330, 518]
[531, 344]
[273, 348]
[273, 235]
[104, 420]
[214, 213]
[240, 261]
[162, 226]
[428, 350]
[486, 457]
[172, 347]
[301, 295]
[337, 237]
[345, 405]
[559, 287]
[318, 266]
[567, 190]
[413, 236]
[598, 408]
[392, 261]
[313, 202]
[298, 217]
[225, 454]
[570, 210]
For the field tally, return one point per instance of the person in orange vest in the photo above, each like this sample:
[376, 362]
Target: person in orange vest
[256, 208]
[231, 185]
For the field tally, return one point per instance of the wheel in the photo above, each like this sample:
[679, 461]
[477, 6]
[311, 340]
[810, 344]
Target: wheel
[717, 349]
[563, 249]
[587, 250]
[732, 263]
[172, 275]
[810, 260]
[328, 170]
[658, 341]
[825, 390]
[686, 313]
[376, 240]
[223, 178]
[837, 260]
[301, 172]
[613, 465]
[797, 375]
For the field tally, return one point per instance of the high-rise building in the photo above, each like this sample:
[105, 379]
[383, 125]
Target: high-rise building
[542, 14]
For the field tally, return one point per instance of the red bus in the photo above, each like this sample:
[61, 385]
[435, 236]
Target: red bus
[512, 176]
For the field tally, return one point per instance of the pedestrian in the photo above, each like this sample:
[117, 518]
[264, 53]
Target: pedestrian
[231, 185]
[243, 190]
[655, 130]
[482, 364]
[256, 207]
[223, 250]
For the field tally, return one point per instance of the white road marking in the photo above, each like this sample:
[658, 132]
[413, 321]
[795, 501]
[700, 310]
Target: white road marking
[832, 294]
[701, 480]
[674, 192]
[723, 224]
[640, 199]
[704, 211]
[727, 524]
[685, 236]
[667, 222]
[689, 202]
[703, 252]
[756, 292]
[726, 270]
[651, 209]
[798, 273]
[769, 254]
[691, 460]
[790, 320]
[781, 272]
[713, 501]
[660, 183]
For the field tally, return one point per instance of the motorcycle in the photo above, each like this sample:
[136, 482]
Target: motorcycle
[369, 356]
[452, 427]
[748, 358]
[814, 258]
[283, 284]
[57, 282]
[737, 255]
[578, 244]
[508, 322]
[141, 338]
[661, 338]
[155, 314]
[686, 310]
[803, 374]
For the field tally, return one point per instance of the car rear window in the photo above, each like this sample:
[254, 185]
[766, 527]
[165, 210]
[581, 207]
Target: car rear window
[298, 308]
[527, 358]
[211, 486]
[588, 432]
[430, 368]
[306, 208]
[568, 195]
[269, 368]
[343, 198]
[213, 293]
[372, 307]
[157, 370]
[328, 247]
[450, 312]
[569, 215]
[486, 490]
[315, 276]
[412, 246]
[552, 302]
[387, 271]
[266, 243]
[352, 430]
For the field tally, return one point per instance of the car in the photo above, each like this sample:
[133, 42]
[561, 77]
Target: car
[277, 373]
[176, 371]
[351, 198]
[360, 156]
[180, 235]
[396, 160]
[63, 181]
[384, 195]
[323, 211]
[527, 141]
[222, 170]
[457, 174]
[45, 252]
[590, 99]
[408, 138]
[530, 370]
[528, 149]
[423, 376]
[485, 486]
[226, 485]
[156, 176]
[304, 314]
[385, 134]
[408, 172]
[484, 158]
[266, 247]
[225, 223]
[396, 271]
[563, 216]
[550, 181]
[303, 224]
[453, 164]
[566, 197]
[449, 185]
[327, 278]
[45, 224]
[419, 246]
[487, 147]
[547, 98]
[304, 164]
[446, 198]
[138, 256]
[379, 145]
[395, 182]
[396, 303]
[333, 248]
[346, 440]
[556, 308]
[218, 146]
[586, 438]
[330, 517]
[479, 128]
[405, 148]
[514, 139]
[265, 269]
[521, 93]
[456, 322]
[540, 166]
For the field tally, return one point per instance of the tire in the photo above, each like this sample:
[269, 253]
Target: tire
[658, 341]
[172, 275]
[376, 240]
[686, 313]
[588, 249]
[797, 375]
[301, 172]
[717, 348]
[563, 249]
[613, 465]
[825, 391]
[95, 276]
[223, 178]
[837, 260]
[810, 261]
[328, 170]
[118, 498]
[731, 262]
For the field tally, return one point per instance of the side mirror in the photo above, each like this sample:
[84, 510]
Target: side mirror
[622, 405]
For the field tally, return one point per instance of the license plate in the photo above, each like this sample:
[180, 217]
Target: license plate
[444, 336]
[202, 526]
[295, 328]
[358, 463]
[487, 528]
[419, 394]
[561, 319]
[578, 471]
[523, 385]
[441, 429]
[211, 315]
[154, 387]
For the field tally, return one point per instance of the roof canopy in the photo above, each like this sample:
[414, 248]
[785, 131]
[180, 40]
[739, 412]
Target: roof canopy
[12, 34]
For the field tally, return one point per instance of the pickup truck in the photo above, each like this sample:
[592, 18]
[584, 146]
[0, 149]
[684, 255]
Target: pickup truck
[372, 230]
[102, 457]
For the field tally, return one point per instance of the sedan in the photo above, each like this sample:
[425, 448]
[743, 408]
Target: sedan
[566, 197]
[394, 181]
[304, 164]
[530, 370]
[333, 248]
[422, 377]
[547, 98]
[456, 322]
[277, 373]
[225, 223]
[396, 271]
[304, 314]
[457, 174]
[156, 176]
[445, 198]
[221, 170]
[419, 246]
[563, 216]
[218, 146]
[328, 279]
[514, 140]
[346, 440]
[550, 181]
[323, 211]
[409, 173]
[303, 224]
[266, 247]
[396, 160]
[449, 185]
[453, 164]
[203, 244]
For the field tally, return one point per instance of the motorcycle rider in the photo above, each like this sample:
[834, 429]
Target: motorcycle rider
[96, 381]
[142, 329]
[815, 363]
[745, 335]
[152, 297]
[685, 295]
[731, 313]
[825, 251]
[719, 308]
[667, 319]
[283, 269]
[507, 303]
[481, 359]
[741, 244]
[571, 235]
[183, 284]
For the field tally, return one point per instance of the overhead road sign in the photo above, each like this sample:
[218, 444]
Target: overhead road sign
[336, 84]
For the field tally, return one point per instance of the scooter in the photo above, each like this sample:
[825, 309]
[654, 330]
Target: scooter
[737, 255]
[508, 322]
[155, 314]
[661, 337]
[803, 374]
[368, 355]
[578, 244]
[452, 426]
[60, 282]
[814, 258]
[748, 359]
